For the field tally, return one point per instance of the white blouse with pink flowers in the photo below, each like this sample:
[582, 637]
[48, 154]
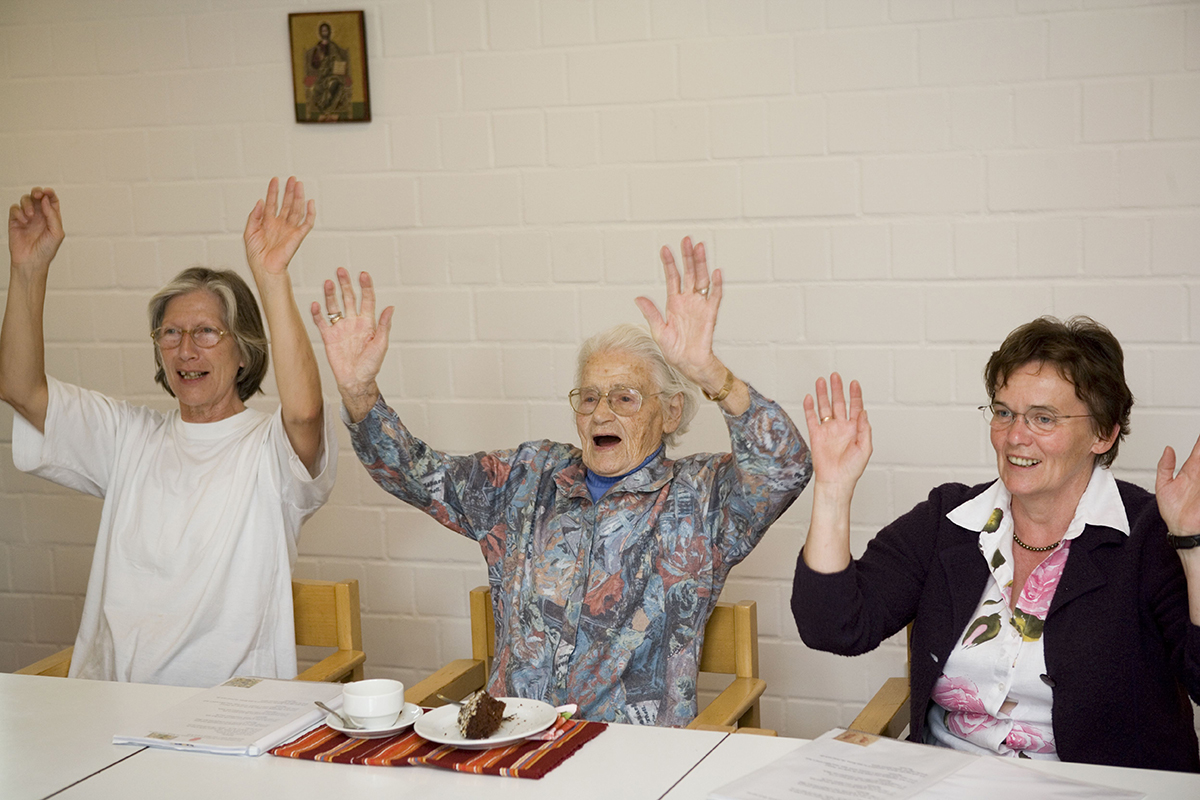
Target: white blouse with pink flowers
[994, 696]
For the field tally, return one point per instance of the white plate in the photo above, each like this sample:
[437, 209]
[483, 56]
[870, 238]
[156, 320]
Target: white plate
[408, 716]
[522, 718]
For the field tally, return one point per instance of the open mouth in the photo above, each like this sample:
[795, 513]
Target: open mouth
[1017, 461]
[191, 376]
[606, 440]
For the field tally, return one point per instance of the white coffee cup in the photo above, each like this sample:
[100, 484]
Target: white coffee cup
[374, 703]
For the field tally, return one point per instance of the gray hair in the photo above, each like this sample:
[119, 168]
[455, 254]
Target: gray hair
[637, 342]
[240, 316]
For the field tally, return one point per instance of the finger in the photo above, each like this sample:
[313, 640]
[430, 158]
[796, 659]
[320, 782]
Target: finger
[272, 197]
[810, 415]
[856, 401]
[255, 218]
[687, 255]
[331, 305]
[1193, 459]
[670, 271]
[1166, 470]
[27, 206]
[715, 288]
[368, 295]
[384, 328]
[822, 396]
[296, 208]
[319, 319]
[349, 299]
[699, 256]
[650, 311]
[838, 393]
[310, 216]
[17, 214]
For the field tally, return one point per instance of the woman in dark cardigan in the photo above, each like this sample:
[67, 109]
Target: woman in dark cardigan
[1051, 615]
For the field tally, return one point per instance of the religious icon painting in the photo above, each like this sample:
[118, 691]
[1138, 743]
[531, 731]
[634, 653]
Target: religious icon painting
[329, 66]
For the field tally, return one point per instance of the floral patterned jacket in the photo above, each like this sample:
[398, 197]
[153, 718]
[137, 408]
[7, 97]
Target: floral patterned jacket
[601, 604]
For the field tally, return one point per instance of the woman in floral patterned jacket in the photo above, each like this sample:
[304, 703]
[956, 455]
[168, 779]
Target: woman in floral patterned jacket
[604, 560]
[1050, 615]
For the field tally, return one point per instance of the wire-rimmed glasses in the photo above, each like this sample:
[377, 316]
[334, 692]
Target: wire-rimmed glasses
[1037, 419]
[625, 401]
[204, 336]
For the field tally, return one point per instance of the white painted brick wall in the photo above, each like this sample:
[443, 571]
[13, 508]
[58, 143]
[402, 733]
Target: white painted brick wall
[888, 187]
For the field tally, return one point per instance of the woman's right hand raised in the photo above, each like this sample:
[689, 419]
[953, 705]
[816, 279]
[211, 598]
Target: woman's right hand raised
[354, 343]
[838, 435]
[35, 229]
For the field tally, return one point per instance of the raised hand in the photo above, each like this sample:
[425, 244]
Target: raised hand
[35, 229]
[354, 343]
[685, 334]
[1179, 495]
[273, 234]
[838, 435]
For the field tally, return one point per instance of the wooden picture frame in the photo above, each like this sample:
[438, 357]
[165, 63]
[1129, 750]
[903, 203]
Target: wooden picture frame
[329, 66]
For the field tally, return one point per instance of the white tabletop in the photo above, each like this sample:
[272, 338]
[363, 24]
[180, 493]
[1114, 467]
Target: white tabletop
[739, 755]
[55, 731]
[736, 755]
[56, 734]
[625, 761]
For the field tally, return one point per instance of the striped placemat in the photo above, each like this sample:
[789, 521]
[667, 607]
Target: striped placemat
[527, 759]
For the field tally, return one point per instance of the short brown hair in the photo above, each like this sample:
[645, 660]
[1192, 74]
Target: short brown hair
[1086, 354]
[241, 318]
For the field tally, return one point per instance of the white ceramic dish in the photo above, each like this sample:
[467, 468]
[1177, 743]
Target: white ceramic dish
[408, 716]
[522, 718]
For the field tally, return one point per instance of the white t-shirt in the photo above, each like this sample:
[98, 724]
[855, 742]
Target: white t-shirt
[191, 576]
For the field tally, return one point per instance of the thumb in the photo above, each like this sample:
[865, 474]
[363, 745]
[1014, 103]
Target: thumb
[650, 311]
[1166, 469]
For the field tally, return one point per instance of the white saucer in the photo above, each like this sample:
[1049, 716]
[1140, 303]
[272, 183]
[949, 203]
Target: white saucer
[407, 717]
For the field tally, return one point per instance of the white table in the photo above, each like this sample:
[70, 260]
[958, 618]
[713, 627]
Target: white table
[625, 761]
[54, 731]
[739, 755]
[56, 734]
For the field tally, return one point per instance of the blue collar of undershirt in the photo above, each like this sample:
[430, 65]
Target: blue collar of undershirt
[597, 485]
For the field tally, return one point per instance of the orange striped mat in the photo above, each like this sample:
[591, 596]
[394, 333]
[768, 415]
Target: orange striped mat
[527, 759]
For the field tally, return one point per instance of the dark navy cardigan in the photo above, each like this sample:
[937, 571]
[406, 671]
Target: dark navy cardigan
[1121, 653]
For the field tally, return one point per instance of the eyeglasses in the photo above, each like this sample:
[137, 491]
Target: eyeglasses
[204, 336]
[1037, 419]
[624, 401]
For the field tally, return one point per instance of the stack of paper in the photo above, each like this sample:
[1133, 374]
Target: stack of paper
[243, 716]
[848, 764]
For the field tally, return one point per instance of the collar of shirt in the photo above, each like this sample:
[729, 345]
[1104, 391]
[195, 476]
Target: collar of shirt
[650, 476]
[1100, 505]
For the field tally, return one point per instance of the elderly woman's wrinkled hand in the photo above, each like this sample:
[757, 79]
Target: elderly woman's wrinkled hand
[685, 334]
[1179, 495]
[35, 229]
[354, 343]
[272, 234]
[839, 435]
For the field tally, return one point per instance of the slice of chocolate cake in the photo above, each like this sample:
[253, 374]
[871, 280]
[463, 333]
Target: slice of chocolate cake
[480, 716]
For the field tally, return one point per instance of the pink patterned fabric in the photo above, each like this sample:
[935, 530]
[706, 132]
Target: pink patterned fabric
[991, 698]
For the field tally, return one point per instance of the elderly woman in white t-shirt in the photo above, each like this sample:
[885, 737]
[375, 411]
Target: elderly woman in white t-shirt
[191, 576]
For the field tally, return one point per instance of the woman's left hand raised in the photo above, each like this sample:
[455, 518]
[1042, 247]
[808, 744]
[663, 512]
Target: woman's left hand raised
[685, 334]
[273, 234]
[1179, 495]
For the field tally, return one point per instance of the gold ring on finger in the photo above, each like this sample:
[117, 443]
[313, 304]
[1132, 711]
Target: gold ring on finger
[334, 318]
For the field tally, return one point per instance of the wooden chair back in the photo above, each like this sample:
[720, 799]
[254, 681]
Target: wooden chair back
[326, 613]
[730, 648]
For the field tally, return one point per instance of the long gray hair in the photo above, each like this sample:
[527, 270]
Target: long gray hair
[240, 316]
[637, 342]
